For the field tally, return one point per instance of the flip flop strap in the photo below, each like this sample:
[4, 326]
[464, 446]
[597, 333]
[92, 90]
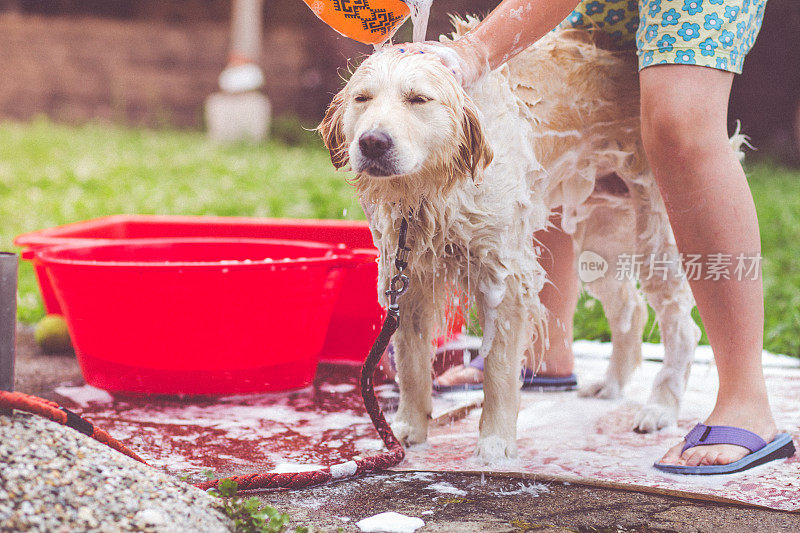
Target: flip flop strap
[702, 435]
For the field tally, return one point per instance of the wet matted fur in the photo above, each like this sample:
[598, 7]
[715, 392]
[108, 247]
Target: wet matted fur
[476, 174]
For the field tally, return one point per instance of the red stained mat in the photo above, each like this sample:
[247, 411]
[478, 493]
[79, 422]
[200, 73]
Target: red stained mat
[561, 437]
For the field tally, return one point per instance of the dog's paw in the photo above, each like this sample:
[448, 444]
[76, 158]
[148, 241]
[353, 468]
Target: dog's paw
[653, 417]
[409, 434]
[607, 390]
[493, 449]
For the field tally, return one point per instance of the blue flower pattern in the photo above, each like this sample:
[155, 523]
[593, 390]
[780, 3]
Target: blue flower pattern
[692, 7]
[712, 33]
[593, 8]
[713, 22]
[689, 31]
[655, 8]
[708, 47]
[741, 27]
[575, 18]
[726, 38]
[670, 18]
[685, 57]
[614, 15]
[665, 43]
[632, 25]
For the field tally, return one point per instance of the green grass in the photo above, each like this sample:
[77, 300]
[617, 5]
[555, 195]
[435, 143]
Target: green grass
[53, 174]
[778, 204]
[775, 190]
[249, 515]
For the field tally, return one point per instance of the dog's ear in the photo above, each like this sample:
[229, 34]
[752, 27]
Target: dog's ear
[474, 151]
[331, 131]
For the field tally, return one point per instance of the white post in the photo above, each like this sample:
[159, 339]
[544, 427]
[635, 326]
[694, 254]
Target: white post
[246, 31]
[239, 111]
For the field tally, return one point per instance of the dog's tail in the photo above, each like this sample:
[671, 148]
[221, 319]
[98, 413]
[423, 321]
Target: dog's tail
[739, 140]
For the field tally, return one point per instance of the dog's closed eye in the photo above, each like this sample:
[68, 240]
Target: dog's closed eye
[360, 98]
[415, 98]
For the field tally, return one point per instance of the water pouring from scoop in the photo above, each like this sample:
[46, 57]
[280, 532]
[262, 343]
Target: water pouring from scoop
[420, 9]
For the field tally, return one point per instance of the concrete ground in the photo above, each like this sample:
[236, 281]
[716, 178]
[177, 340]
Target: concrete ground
[39, 374]
[459, 502]
[504, 505]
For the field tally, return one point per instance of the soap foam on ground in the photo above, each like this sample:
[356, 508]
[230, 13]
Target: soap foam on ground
[390, 522]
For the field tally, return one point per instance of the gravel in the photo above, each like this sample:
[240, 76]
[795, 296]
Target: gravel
[53, 478]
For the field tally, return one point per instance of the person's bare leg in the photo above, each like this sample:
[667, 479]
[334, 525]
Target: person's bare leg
[559, 297]
[711, 210]
[460, 375]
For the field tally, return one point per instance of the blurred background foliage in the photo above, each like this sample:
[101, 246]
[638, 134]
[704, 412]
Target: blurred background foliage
[101, 113]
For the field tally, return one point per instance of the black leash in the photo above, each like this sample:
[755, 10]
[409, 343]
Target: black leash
[400, 263]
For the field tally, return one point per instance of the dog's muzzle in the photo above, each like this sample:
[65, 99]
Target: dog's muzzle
[376, 155]
[374, 144]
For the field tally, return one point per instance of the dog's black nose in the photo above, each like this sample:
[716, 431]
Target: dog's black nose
[374, 143]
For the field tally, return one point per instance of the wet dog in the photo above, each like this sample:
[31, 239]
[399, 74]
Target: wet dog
[476, 173]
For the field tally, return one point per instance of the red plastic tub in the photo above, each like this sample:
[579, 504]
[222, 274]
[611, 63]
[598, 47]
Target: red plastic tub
[197, 316]
[356, 317]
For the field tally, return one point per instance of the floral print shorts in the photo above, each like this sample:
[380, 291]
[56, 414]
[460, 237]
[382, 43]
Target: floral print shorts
[710, 33]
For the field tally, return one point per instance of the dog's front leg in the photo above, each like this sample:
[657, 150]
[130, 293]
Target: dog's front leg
[505, 332]
[413, 345]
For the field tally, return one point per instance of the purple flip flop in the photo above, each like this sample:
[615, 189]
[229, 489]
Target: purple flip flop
[761, 452]
[529, 381]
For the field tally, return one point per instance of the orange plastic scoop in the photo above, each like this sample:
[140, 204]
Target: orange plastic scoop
[366, 21]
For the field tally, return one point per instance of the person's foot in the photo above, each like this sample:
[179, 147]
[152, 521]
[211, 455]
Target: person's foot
[469, 375]
[460, 375]
[756, 419]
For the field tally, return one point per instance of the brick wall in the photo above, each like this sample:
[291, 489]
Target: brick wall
[153, 64]
[150, 62]
[144, 72]
[83, 68]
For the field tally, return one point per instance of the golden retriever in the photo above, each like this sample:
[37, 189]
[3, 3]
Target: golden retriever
[476, 173]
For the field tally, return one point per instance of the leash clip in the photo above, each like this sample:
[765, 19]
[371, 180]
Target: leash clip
[400, 263]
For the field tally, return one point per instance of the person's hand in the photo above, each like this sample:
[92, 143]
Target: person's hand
[465, 58]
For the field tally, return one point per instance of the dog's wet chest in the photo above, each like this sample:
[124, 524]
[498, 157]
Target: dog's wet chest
[453, 254]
